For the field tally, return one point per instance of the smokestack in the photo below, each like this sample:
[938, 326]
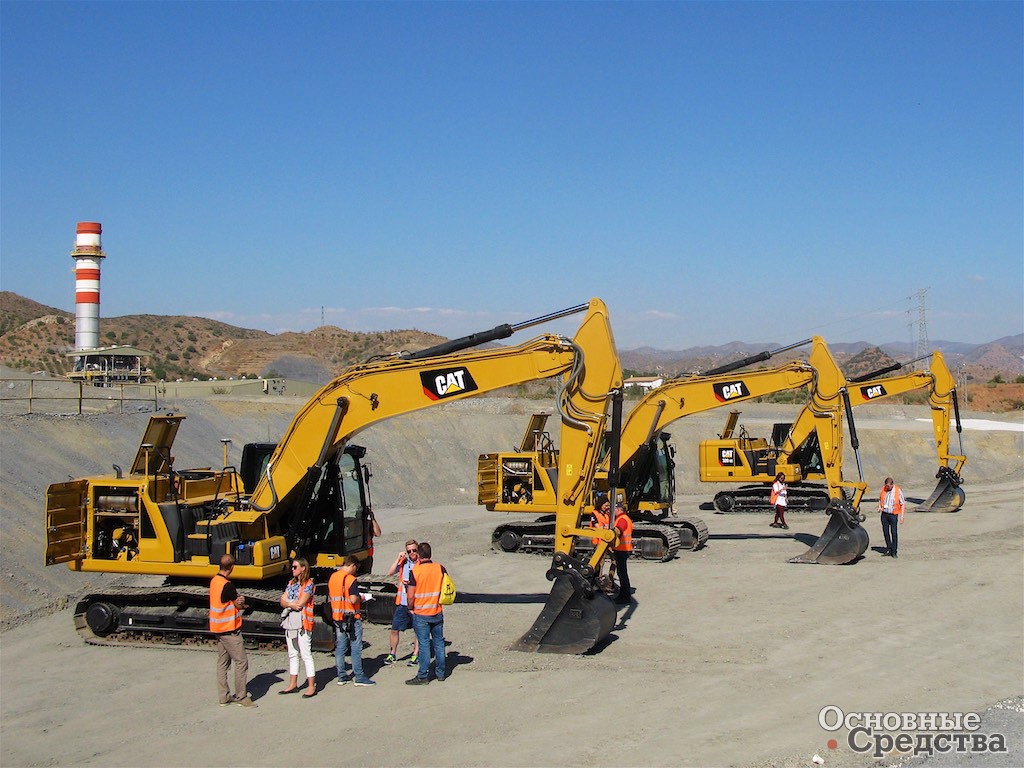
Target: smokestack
[87, 255]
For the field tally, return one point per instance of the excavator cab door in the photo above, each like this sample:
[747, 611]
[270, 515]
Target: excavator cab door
[66, 523]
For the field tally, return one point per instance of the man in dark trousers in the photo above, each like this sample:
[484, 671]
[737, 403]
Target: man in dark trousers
[892, 508]
[622, 551]
[226, 624]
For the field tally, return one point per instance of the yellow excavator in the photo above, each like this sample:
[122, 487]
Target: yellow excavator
[812, 445]
[308, 496]
[522, 481]
[948, 495]
[734, 459]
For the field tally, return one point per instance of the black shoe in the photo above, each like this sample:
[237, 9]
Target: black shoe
[887, 553]
[894, 555]
[418, 681]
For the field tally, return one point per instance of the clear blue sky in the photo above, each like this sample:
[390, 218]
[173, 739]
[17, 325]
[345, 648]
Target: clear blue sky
[714, 171]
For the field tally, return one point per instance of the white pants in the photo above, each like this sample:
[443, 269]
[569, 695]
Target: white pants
[300, 643]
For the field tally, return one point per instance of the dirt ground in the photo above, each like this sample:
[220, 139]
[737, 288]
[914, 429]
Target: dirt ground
[726, 658]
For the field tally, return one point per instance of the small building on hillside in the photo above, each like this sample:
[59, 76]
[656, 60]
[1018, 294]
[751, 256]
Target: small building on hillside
[646, 383]
[108, 366]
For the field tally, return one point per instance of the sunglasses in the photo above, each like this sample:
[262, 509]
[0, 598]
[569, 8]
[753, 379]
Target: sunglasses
[296, 567]
[412, 551]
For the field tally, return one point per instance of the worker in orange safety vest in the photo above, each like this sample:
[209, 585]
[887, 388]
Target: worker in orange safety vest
[892, 507]
[346, 611]
[226, 625]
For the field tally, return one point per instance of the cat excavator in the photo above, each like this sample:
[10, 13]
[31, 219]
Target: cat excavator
[948, 495]
[308, 496]
[734, 458]
[524, 480]
[812, 446]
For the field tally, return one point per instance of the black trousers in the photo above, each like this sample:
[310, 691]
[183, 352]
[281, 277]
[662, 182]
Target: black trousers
[621, 570]
[890, 529]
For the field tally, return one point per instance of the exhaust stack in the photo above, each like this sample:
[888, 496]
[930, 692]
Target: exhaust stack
[87, 255]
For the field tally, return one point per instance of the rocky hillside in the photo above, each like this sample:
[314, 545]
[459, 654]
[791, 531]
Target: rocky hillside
[34, 337]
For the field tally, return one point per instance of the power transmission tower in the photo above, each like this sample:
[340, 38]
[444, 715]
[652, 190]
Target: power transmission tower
[921, 346]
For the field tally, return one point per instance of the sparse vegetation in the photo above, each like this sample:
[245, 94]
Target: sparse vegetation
[34, 337]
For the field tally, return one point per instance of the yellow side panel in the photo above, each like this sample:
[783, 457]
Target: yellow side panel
[66, 522]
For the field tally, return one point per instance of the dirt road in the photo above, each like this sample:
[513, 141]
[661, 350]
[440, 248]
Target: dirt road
[726, 658]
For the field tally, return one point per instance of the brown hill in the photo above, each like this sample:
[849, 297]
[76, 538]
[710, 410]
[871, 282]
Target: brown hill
[35, 337]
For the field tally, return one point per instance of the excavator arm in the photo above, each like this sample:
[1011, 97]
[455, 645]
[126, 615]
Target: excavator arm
[577, 615]
[945, 410]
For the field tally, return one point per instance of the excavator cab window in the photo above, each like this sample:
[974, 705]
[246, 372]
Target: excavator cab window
[344, 509]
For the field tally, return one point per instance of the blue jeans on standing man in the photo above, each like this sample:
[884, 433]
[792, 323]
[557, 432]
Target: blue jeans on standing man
[343, 647]
[430, 634]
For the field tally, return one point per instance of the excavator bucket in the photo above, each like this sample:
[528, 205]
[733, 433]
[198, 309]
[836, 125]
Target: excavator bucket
[843, 541]
[948, 496]
[571, 621]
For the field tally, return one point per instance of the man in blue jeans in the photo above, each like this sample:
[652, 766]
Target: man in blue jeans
[346, 602]
[424, 591]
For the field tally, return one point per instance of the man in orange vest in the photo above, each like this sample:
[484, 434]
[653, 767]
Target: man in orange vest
[891, 505]
[427, 617]
[346, 602]
[226, 625]
[622, 551]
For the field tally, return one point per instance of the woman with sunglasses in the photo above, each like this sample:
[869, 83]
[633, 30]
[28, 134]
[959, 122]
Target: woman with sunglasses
[297, 621]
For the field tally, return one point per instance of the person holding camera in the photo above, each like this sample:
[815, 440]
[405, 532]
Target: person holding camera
[402, 618]
[297, 622]
[346, 602]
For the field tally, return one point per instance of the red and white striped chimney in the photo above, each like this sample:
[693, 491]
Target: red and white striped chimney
[87, 255]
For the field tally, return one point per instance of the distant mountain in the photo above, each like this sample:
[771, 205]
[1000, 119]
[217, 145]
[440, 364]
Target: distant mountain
[1004, 356]
[35, 337]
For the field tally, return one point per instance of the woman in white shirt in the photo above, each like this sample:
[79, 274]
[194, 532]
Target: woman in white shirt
[778, 499]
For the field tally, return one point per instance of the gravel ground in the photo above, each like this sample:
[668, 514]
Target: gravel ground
[726, 658]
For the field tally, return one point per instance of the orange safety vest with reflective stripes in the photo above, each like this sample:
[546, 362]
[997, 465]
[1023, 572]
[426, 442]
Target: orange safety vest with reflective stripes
[897, 500]
[601, 521]
[625, 526]
[339, 588]
[308, 616]
[427, 599]
[224, 617]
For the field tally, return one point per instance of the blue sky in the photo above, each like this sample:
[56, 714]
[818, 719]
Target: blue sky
[714, 171]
